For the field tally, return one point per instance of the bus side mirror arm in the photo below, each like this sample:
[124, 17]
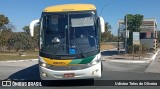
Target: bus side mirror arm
[31, 26]
[101, 24]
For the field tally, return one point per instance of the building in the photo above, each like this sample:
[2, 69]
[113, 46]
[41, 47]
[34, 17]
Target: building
[148, 33]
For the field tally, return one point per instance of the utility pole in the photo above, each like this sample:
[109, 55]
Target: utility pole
[118, 38]
[126, 37]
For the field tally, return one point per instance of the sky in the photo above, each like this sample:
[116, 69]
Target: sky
[22, 12]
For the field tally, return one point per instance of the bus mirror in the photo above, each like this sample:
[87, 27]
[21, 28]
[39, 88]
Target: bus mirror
[31, 26]
[102, 24]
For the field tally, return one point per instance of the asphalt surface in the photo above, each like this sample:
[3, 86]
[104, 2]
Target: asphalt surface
[154, 66]
[28, 70]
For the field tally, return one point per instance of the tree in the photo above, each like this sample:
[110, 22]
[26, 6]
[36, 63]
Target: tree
[33, 40]
[3, 21]
[133, 25]
[5, 32]
[16, 40]
[5, 35]
[107, 34]
[26, 29]
[19, 40]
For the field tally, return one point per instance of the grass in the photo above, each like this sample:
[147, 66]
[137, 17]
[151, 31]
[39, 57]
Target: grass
[15, 56]
[34, 55]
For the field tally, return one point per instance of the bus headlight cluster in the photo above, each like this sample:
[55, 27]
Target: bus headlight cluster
[43, 64]
[94, 62]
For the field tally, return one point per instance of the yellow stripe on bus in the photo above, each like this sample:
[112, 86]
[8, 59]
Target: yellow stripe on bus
[56, 62]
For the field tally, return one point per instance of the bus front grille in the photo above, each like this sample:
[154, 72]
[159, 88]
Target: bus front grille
[79, 67]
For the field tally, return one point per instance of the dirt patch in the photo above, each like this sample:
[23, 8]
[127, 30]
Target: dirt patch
[106, 46]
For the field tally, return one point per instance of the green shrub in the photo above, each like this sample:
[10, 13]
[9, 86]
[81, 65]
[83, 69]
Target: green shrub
[142, 49]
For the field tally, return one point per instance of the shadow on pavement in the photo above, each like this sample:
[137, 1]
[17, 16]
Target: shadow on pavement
[111, 52]
[31, 74]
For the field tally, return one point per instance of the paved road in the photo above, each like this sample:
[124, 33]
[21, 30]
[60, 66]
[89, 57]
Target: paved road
[112, 71]
[19, 70]
[28, 70]
[154, 67]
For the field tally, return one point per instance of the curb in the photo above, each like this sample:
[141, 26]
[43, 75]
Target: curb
[108, 49]
[133, 61]
[154, 56]
[129, 61]
[19, 60]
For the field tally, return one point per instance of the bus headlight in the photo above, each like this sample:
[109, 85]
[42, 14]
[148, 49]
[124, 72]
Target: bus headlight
[42, 64]
[94, 62]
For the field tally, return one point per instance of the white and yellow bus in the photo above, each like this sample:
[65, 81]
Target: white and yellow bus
[69, 42]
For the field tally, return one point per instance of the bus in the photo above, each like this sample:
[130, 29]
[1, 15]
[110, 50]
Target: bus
[69, 42]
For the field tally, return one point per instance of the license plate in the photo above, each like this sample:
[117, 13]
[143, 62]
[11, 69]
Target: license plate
[69, 75]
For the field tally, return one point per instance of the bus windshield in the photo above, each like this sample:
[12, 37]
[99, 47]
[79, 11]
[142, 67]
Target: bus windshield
[68, 33]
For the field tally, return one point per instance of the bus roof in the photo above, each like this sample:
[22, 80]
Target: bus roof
[70, 7]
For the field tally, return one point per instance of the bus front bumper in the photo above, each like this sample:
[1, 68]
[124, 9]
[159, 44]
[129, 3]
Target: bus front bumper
[91, 72]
